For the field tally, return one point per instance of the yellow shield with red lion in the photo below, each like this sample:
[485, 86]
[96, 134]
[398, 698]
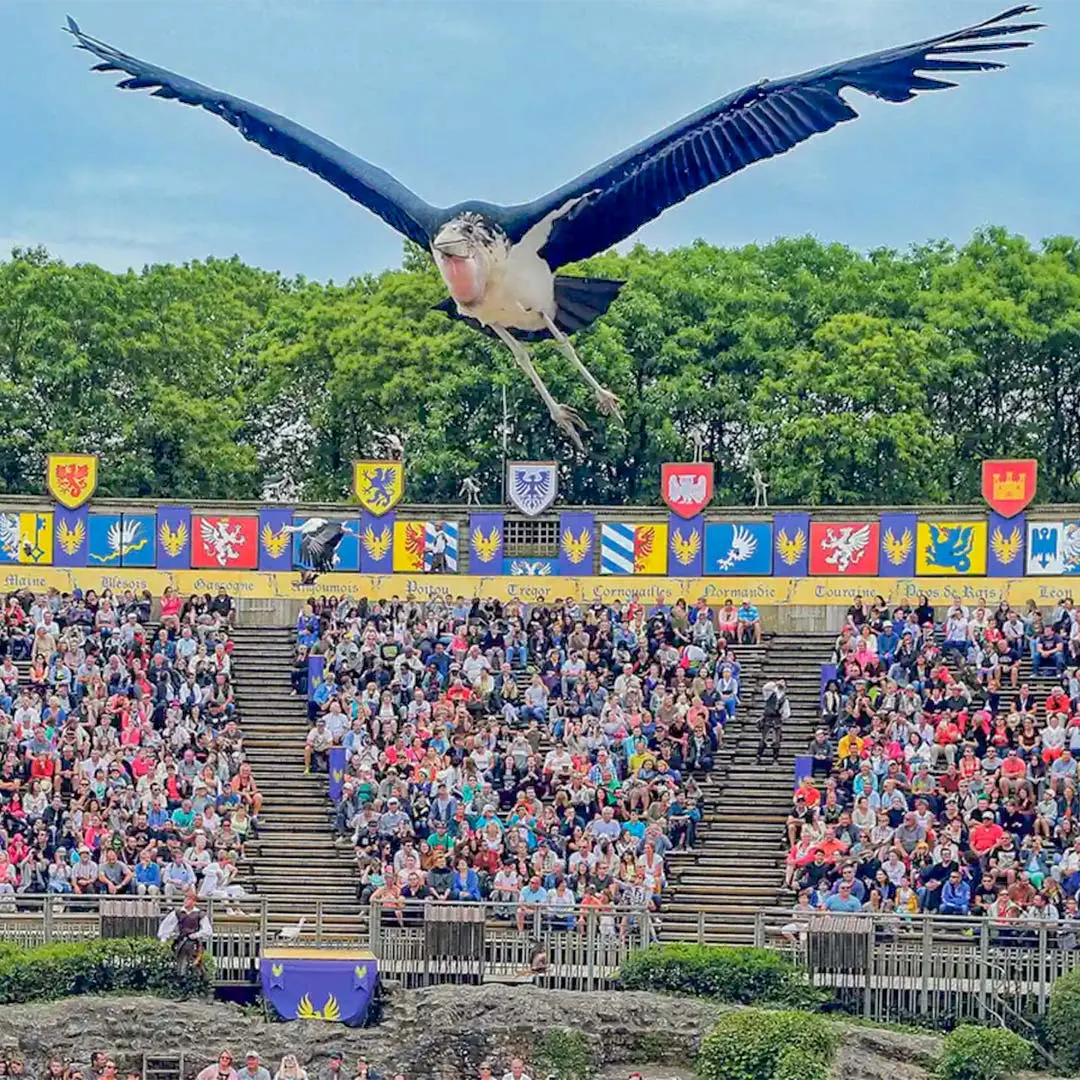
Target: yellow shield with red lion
[72, 478]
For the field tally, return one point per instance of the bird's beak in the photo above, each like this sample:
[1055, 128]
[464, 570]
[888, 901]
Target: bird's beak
[451, 242]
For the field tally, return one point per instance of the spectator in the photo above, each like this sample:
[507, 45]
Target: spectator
[952, 789]
[749, 622]
[289, 1069]
[516, 1071]
[222, 1069]
[253, 1069]
[955, 895]
[460, 785]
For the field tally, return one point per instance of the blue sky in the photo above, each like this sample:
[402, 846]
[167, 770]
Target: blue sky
[503, 100]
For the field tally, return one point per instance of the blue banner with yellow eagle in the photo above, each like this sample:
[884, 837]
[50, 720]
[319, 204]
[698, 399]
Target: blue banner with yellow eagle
[1005, 551]
[319, 984]
[577, 538]
[897, 556]
[791, 544]
[376, 542]
[485, 543]
[71, 538]
[275, 544]
[174, 537]
[686, 545]
[337, 759]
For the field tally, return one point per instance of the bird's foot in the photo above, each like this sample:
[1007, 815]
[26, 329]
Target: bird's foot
[608, 404]
[568, 422]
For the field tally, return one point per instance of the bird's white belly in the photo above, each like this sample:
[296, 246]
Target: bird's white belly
[519, 288]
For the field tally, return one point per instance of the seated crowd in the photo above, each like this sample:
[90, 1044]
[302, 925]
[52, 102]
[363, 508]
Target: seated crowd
[103, 1066]
[540, 758]
[941, 781]
[122, 768]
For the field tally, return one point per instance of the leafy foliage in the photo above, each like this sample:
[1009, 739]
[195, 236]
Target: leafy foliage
[128, 965]
[974, 1053]
[880, 378]
[755, 1044]
[564, 1054]
[742, 976]
[1063, 1020]
[796, 1063]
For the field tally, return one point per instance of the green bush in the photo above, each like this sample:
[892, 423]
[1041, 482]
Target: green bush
[1063, 1020]
[110, 965]
[755, 1044]
[794, 1063]
[975, 1053]
[563, 1053]
[738, 975]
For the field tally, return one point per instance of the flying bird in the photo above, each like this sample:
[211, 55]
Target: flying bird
[319, 540]
[500, 263]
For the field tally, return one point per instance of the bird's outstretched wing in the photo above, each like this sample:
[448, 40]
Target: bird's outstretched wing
[361, 181]
[758, 122]
[318, 546]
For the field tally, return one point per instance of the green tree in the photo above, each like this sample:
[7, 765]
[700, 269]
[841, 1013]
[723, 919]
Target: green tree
[848, 378]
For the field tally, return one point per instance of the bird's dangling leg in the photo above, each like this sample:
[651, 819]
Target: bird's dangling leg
[566, 419]
[606, 401]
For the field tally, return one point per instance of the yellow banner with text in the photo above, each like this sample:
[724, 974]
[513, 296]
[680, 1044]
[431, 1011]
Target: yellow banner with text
[762, 591]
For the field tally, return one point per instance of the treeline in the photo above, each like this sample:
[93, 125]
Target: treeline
[846, 378]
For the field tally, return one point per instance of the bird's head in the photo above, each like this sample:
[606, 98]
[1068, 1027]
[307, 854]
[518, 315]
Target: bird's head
[463, 249]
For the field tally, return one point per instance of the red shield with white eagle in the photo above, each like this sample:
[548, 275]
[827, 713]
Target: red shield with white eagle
[686, 487]
[844, 547]
[224, 543]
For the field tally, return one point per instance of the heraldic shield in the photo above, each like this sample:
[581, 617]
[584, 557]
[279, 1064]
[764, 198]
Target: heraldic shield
[72, 478]
[1008, 485]
[686, 487]
[531, 486]
[378, 485]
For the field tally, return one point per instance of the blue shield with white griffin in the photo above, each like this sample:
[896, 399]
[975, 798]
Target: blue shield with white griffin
[531, 486]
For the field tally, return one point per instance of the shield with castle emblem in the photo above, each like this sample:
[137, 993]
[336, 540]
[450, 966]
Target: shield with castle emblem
[1008, 485]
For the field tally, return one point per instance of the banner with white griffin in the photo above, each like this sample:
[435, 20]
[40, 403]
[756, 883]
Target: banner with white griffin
[531, 486]
[845, 547]
[225, 542]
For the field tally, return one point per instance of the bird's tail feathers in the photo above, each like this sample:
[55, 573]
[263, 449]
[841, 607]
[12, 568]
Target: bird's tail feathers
[580, 301]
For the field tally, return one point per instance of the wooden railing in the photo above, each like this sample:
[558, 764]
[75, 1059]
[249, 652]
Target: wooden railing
[239, 931]
[886, 967]
[937, 969]
[576, 949]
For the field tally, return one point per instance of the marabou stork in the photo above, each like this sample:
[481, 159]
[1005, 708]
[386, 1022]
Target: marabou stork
[500, 263]
[319, 539]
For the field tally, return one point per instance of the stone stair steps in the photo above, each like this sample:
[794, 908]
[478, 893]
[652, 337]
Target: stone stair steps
[738, 865]
[296, 862]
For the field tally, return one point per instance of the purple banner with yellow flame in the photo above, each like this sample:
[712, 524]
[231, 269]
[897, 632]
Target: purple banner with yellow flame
[319, 984]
